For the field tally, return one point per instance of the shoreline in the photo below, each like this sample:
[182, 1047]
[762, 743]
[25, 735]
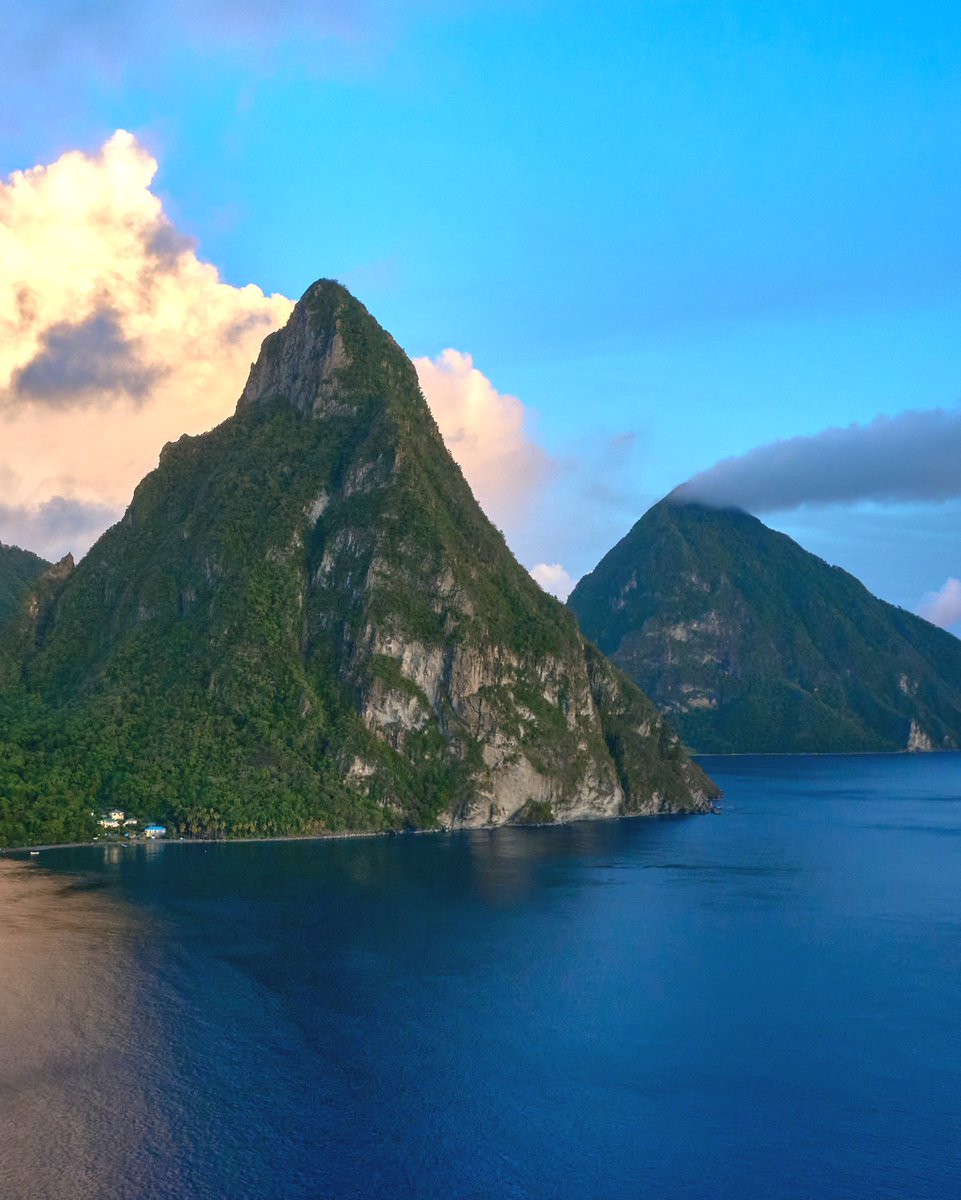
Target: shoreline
[344, 836]
[224, 841]
[695, 754]
[377, 833]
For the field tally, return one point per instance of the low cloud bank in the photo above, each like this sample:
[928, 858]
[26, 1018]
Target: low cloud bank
[943, 607]
[912, 457]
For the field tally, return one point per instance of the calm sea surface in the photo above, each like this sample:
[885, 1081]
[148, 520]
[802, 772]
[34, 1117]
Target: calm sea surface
[762, 1004]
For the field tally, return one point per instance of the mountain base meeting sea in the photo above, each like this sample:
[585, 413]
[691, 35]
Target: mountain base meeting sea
[759, 1004]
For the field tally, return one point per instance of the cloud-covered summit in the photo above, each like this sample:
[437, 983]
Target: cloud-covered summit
[914, 456]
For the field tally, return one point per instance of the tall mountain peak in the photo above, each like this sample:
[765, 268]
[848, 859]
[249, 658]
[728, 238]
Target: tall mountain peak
[305, 622]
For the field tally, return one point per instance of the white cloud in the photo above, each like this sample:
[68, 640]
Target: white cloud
[944, 606]
[114, 339]
[554, 578]
[484, 431]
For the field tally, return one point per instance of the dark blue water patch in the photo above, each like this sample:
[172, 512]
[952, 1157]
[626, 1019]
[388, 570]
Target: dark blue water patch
[763, 1003]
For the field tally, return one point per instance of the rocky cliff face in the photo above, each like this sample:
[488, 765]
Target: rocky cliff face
[304, 621]
[749, 643]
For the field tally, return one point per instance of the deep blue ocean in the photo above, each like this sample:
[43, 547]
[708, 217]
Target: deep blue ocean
[762, 1004]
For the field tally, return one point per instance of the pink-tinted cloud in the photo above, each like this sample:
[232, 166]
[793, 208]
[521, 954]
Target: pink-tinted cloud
[485, 432]
[114, 339]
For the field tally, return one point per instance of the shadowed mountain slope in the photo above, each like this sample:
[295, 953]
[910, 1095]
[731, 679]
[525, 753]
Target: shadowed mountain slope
[750, 643]
[18, 570]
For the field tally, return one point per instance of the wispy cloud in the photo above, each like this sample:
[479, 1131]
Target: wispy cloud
[912, 457]
[58, 57]
[943, 607]
[112, 36]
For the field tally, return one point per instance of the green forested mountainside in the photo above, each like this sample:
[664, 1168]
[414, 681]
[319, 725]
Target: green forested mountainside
[749, 643]
[304, 622]
[18, 570]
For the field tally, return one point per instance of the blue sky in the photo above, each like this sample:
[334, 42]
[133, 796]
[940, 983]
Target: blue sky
[675, 231]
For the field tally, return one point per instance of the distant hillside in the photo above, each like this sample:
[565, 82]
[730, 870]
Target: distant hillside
[750, 643]
[305, 622]
[18, 569]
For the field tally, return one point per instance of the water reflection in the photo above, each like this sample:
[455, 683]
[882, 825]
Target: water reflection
[69, 1029]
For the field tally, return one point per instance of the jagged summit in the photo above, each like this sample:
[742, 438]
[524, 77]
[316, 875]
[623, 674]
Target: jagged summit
[750, 643]
[306, 622]
[330, 348]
